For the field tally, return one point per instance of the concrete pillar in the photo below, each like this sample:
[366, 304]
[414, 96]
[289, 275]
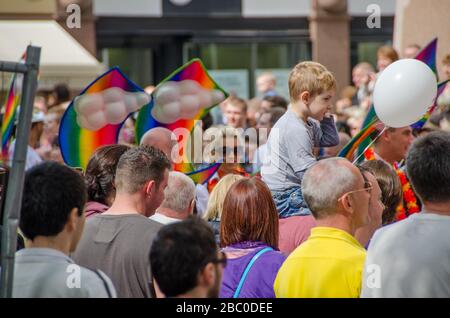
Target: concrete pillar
[85, 35]
[419, 21]
[329, 26]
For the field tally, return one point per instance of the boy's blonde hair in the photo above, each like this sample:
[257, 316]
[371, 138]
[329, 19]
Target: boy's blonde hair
[312, 77]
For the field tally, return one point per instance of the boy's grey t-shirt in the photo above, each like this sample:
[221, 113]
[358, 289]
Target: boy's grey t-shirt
[119, 245]
[409, 259]
[290, 149]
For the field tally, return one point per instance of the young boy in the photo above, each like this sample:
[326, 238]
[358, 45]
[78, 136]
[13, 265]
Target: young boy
[306, 124]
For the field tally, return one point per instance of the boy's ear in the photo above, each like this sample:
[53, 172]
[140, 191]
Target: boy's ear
[305, 97]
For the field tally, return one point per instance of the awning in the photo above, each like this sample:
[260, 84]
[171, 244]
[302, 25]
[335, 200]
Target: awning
[63, 59]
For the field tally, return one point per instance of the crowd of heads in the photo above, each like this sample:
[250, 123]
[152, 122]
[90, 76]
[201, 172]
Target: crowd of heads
[188, 255]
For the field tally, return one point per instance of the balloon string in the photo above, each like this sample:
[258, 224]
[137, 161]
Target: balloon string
[368, 146]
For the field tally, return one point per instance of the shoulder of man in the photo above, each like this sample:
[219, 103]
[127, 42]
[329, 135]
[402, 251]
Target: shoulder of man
[385, 235]
[96, 283]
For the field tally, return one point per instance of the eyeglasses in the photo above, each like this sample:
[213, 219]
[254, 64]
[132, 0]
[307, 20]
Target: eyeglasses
[367, 187]
[222, 260]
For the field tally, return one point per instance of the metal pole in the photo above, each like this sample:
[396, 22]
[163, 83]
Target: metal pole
[13, 67]
[16, 178]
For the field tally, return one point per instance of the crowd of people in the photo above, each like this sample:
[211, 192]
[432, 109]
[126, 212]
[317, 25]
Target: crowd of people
[289, 219]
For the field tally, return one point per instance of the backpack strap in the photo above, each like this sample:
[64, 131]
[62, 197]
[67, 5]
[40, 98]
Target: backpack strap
[247, 269]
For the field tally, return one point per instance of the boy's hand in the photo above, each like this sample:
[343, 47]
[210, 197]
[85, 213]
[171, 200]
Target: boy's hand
[328, 115]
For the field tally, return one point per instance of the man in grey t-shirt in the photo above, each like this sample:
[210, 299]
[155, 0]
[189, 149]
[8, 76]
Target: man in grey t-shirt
[52, 221]
[411, 258]
[118, 241]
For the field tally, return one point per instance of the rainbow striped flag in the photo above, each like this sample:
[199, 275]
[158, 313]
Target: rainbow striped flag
[9, 116]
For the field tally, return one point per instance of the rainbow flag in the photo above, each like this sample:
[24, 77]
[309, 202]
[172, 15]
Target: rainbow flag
[419, 124]
[78, 144]
[357, 141]
[428, 55]
[193, 70]
[9, 116]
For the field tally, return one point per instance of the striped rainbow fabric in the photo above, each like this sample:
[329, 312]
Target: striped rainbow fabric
[78, 144]
[193, 70]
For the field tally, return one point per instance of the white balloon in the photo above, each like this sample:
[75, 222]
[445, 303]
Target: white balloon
[167, 114]
[158, 115]
[113, 94]
[131, 103]
[205, 98]
[172, 110]
[189, 87]
[403, 92]
[217, 96]
[115, 113]
[83, 123]
[167, 93]
[97, 120]
[88, 103]
[142, 98]
[189, 106]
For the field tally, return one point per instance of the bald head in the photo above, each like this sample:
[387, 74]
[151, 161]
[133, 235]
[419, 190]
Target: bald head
[325, 182]
[160, 138]
[266, 82]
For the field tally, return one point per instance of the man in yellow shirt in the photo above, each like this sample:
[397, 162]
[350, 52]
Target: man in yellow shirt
[330, 262]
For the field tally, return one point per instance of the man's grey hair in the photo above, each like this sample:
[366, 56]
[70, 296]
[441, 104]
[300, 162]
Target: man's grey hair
[324, 183]
[179, 193]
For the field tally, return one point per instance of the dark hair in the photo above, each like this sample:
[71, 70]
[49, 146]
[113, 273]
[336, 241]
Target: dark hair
[276, 101]
[62, 93]
[391, 188]
[428, 167]
[249, 214]
[51, 190]
[100, 172]
[179, 252]
[342, 126]
[139, 165]
[207, 121]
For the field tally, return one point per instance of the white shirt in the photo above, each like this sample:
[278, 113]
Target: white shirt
[201, 198]
[32, 158]
[260, 158]
[161, 218]
[409, 259]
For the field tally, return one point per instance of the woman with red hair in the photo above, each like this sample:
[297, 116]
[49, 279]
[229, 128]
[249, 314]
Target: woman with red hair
[249, 237]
